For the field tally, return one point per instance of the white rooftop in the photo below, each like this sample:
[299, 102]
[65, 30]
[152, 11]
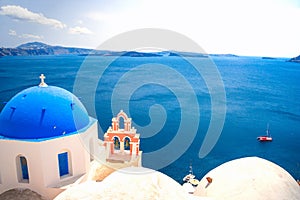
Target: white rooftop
[129, 183]
[249, 178]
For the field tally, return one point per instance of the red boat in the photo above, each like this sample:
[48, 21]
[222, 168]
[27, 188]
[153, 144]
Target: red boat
[265, 138]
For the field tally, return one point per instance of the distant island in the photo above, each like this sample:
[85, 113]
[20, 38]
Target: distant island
[268, 58]
[38, 48]
[295, 59]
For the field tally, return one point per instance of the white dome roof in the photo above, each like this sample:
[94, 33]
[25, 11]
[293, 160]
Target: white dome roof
[128, 183]
[249, 178]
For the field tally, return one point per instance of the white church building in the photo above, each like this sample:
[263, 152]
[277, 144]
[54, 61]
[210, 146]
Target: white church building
[47, 140]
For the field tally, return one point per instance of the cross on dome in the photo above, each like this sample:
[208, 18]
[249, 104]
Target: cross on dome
[42, 83]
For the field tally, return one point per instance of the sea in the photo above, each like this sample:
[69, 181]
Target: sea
[180, 105]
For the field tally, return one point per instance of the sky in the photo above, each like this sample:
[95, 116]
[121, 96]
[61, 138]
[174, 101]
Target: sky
[241, 27]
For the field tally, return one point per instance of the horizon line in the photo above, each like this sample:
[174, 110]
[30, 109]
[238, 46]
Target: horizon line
[121, 50]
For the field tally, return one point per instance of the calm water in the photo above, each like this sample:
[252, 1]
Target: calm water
[258, 92]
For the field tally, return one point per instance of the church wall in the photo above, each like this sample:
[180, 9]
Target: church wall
[10, 150]
[77, 147]
[78, 159]
[90, 140]
[42, 161]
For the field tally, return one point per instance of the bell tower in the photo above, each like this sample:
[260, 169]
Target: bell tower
[122, 143]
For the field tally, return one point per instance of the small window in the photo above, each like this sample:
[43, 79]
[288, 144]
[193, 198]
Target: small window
[22, 169]
[63, 164]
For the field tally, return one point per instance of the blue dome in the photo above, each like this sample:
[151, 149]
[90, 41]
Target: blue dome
[42, 112]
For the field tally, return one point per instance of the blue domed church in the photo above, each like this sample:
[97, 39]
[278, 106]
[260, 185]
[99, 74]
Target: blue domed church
[47, 140]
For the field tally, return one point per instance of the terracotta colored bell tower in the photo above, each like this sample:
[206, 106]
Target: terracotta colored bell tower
[121, 140]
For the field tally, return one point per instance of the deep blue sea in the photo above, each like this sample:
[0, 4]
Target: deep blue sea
[173, 104]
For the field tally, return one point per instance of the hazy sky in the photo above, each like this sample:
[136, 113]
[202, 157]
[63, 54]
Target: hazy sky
[243, 27]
